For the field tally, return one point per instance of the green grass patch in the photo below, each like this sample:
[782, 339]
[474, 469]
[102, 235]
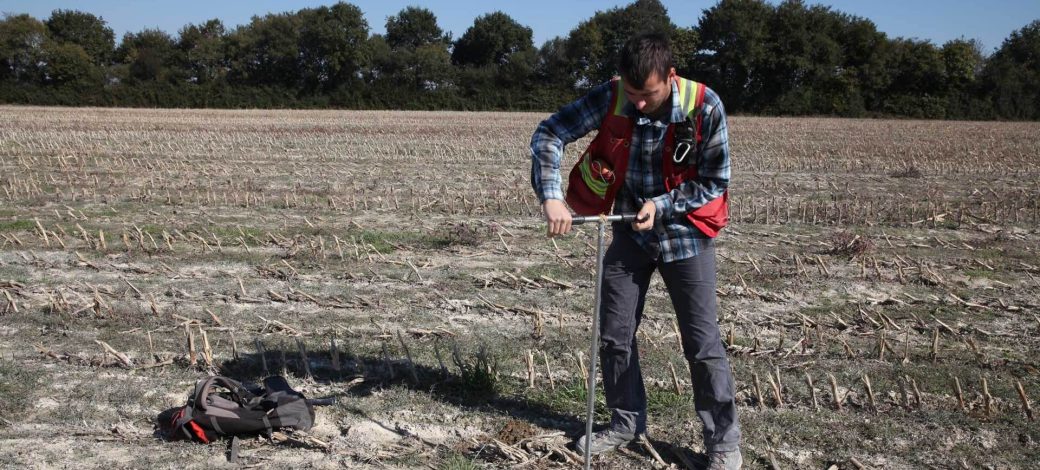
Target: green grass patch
[19, 386]
[17, 225]
[457, 462]
[389, 241]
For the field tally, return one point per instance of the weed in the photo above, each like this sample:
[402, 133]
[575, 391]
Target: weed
[849, 245]
[478, 376]
[458, 462]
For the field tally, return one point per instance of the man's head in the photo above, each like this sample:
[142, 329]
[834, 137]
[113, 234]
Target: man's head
[647, 71]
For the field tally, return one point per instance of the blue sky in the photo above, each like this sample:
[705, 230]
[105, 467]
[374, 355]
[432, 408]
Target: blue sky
[936, 20]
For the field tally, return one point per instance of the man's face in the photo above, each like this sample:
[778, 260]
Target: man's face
[654, 93]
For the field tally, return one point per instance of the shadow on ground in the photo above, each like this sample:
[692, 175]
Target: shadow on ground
[470, 387]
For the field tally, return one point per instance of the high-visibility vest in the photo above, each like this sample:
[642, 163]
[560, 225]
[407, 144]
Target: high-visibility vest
[599, 173]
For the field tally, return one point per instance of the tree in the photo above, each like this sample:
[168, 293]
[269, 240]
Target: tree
[68, 65]
[21, 48]
[266, 51]
[203, 51]
[595, 45]
[331, 44]
[412, 28]
[417, 50]
[85, 30]
[492, 40]
[1012, 74]
[553, 66]
[151, 55]
[734, 48]
[684, 47]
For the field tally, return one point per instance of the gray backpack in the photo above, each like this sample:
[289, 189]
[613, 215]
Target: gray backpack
[222, 407]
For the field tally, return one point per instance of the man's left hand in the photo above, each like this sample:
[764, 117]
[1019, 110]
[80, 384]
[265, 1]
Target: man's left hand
[645, 219]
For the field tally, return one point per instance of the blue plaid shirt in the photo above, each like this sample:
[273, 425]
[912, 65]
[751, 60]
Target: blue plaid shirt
[672, 238]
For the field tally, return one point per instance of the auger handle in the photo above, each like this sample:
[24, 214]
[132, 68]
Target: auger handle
[592, 219]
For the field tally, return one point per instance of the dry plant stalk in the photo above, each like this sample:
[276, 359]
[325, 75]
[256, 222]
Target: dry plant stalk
[834, 392]
[234, 345]
[530, 369]
[870, 392]
[192, 360]
[207, 351]
[758, 390]
[960, 393]
[812, 391]
[1025, 400]
[122, 358]
[776, 391]
[548, 371]
[584, 371]
[334, 353]
[988, 398]
[675, 379]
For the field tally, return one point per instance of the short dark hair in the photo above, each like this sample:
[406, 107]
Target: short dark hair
[643, 55]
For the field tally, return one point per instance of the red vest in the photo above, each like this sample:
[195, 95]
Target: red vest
[600, 172]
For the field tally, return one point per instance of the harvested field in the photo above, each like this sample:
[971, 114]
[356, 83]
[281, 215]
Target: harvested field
[879, 291]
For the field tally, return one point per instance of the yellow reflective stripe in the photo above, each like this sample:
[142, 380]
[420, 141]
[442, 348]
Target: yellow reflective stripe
[691, 96]
[619, 98]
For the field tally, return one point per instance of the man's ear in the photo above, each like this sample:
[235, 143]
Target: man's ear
[671, 74]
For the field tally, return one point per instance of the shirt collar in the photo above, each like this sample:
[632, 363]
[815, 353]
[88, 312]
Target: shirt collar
[677, 116]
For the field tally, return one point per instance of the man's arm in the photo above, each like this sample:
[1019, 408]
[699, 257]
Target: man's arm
[712, 167]
[570, 123]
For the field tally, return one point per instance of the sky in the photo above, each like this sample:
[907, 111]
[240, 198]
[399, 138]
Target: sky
[936, 20]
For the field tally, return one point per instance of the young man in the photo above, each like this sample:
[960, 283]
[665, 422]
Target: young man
[661, 152]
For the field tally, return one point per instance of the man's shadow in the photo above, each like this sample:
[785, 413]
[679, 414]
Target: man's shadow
[467, 381]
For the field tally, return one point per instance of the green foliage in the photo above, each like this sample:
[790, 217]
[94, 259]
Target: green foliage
[412, 28]
[202, 51]
[1012, 75]
[494, 39]
[21, 48]
[150, 55]
[330, 44]
[85, 30]
[788, 58]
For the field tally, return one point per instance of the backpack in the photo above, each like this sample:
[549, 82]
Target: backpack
[222, 407]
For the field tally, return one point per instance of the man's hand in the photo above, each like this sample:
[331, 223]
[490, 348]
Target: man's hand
[645, 218]
[558, 216]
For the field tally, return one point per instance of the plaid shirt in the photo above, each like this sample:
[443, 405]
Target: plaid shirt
[672, 238]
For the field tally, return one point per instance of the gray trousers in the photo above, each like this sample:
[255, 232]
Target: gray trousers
[691, 285]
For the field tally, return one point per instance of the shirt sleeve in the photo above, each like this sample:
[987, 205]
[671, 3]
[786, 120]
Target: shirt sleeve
[713, 170]
[569, 124]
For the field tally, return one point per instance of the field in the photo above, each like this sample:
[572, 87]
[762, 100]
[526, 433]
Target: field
[879, 291]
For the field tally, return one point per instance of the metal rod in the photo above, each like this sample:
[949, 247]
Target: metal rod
[590, 219]
[594, 347]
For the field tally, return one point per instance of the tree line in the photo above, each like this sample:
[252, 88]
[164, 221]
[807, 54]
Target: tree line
[784, 59]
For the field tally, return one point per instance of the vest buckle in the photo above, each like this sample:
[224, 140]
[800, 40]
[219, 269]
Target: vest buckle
[685, 146]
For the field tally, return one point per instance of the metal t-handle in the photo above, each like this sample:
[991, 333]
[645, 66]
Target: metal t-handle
[602, 221]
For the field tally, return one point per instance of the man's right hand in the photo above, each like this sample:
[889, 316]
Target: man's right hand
[557, 216]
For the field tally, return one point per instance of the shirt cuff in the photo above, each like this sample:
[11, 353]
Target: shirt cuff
[663, 207]
[550, 192]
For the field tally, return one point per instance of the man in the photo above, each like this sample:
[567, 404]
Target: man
[661, 152]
